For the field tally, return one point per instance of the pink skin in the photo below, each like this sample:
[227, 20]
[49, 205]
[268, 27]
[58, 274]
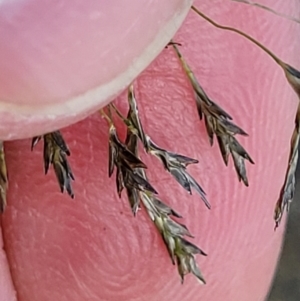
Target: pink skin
[69, 58]
[93, 249]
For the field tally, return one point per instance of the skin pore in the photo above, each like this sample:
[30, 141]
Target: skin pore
[92, 248]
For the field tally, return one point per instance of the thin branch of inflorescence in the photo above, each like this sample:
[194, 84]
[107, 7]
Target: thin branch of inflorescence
[217, 122]
[270, 53]
[269, 9]
[180, 250]
[293, 78]
[55, 153]
[132, 177]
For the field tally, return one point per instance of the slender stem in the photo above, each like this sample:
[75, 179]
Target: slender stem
[109, 112]
[104, 115]
[3, 178]
[269, 9]
[264, 48]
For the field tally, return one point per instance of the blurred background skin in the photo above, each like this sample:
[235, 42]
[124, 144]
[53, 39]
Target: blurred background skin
[286, 286]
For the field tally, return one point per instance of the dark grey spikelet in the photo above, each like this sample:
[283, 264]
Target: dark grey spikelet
[181, 251]
[132, 193]
[55, 153]
[176, 165]
[3, 178]
[288, 189]
[127, 165]
[218, 123]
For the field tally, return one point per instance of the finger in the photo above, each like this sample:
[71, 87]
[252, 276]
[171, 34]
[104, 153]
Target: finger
[66, 59]
[92, 247]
